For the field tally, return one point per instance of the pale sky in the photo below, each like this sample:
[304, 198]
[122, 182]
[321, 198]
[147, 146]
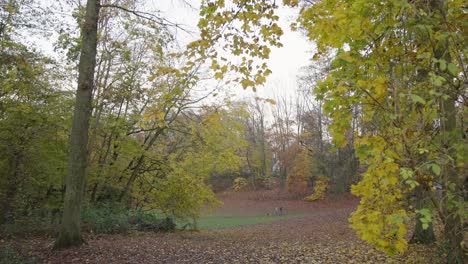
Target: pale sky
[285, 62]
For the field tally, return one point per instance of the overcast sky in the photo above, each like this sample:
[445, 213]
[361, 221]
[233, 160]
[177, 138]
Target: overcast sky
[285, 62]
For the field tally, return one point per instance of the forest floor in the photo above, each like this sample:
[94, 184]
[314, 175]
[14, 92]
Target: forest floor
[308, 232]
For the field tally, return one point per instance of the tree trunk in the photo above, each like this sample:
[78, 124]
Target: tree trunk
[70, 231]
[421, 235]
[8, 202]
[453, 230]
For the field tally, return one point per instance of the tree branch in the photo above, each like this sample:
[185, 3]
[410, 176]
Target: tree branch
[151, 17]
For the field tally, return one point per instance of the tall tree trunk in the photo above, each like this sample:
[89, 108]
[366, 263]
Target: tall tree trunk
[420, 235]
[70, 231]
[453, 230]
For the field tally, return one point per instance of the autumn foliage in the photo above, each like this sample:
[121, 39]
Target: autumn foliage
[299, 174]
[402, 64]
[381, 113]
[320, 189]
[239, 184]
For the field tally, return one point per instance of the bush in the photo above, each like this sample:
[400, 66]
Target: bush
[320, 189]
[267, 183]
[41, 221]
[106, 218]
[158, 225]
[239, 184]
[112, 218]
[140, 216]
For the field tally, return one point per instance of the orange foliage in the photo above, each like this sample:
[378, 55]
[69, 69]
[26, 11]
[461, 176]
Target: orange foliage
[299, 173]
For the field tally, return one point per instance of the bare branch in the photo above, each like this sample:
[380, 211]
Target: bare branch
[151, 17]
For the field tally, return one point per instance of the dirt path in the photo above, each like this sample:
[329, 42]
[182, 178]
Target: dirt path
[322, 236]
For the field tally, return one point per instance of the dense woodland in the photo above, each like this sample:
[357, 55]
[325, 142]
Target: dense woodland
[124, 126]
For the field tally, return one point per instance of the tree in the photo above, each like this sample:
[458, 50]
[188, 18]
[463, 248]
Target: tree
[339, 164]
[70, 232]
[423, 231]
[299, 175]
[258, 154]
[33, 118]
[202, 145]
[412, 137]
[283, 136]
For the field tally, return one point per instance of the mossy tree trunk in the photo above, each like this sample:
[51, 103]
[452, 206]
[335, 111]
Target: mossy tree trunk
[70, 231]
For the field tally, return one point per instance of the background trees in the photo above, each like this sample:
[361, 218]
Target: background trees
[389, 96]
[152, 143]
[258, 153]
[33, 117]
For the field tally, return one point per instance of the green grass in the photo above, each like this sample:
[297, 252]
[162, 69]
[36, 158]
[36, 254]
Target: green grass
[216, 221]
[207, 221]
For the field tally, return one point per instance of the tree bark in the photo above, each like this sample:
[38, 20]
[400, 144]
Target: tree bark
[453, 230]
[70, 231]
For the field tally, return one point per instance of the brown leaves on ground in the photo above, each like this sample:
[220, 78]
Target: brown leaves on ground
[321, 236]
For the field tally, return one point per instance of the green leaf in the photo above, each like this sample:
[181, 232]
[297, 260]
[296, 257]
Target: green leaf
[436, 169]
[439, 80]
[406, 173]
[442, 65]
[452, 68]
[417, 99]
[425, 217]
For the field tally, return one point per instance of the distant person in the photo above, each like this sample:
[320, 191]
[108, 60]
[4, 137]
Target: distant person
[278, 210]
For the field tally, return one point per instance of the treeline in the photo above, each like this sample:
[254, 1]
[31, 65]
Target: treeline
[154, 142]
[389, 81]
[400, 69]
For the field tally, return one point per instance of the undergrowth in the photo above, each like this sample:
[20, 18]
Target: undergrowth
[10, 256]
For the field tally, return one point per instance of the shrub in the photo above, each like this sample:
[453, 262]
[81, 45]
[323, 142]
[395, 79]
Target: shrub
[239, 184]
[159, 225]
[111, 218]
[9, 256]
[182, 196]
[106, 218]
[320, 189]
[38, 221]
[267, 182]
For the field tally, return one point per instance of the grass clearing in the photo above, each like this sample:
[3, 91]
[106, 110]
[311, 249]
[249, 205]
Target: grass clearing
[240, 231]
[221, 221]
